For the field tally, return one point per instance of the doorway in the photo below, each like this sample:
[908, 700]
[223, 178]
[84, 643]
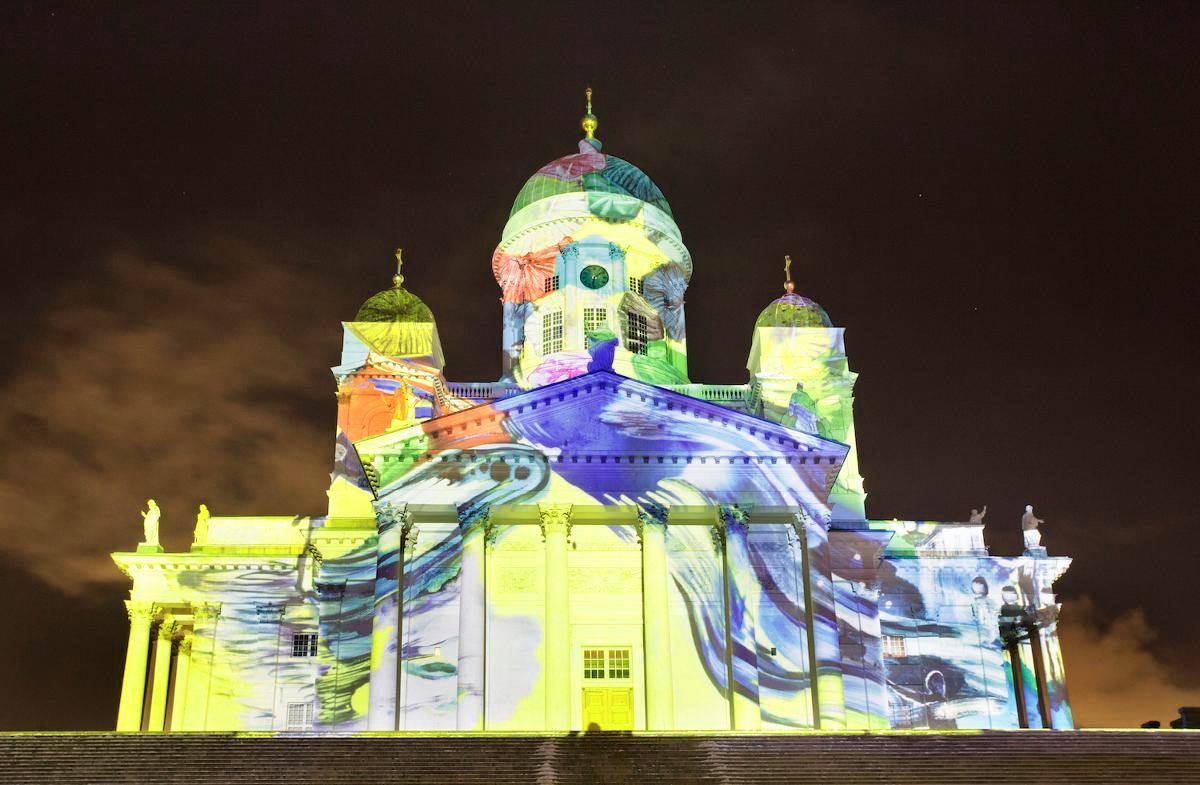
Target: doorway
[607, 688]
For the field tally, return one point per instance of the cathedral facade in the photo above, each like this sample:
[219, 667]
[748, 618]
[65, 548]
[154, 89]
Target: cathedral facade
[594, 541]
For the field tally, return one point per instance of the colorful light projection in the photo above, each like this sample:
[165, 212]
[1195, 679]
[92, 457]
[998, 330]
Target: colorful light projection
[591, 251]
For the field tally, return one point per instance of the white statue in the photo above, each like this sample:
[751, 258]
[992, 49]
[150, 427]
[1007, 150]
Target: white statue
[150, 522]
[1029, 526]
[977, 515]
[202, 516]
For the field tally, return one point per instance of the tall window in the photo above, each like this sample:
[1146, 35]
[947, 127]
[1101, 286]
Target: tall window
[552, 332]
[635, 285]
[299, 716]
[594, 319]
[635, 338]
[304, 644]
[551, 284]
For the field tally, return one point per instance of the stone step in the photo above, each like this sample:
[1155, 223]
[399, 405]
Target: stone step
[958, 757]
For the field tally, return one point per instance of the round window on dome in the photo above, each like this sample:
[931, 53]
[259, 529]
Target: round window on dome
[593, 276]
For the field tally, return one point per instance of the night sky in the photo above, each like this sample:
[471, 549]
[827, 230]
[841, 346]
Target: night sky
[998, 201]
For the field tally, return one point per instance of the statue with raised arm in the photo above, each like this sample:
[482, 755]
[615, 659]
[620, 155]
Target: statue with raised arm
[150, 522]
[977, 515]
[1029, 526]
[202, 516]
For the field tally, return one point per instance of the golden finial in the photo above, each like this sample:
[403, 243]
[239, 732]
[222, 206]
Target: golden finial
[787, 272]
[589, 123]
[398, 279]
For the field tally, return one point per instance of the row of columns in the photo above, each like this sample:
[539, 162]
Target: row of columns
[146, 692]
[397, 536]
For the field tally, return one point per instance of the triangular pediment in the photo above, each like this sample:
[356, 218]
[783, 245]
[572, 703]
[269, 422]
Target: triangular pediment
[604, 438]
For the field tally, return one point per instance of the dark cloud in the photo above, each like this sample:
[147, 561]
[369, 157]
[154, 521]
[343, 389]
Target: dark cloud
[141, 380]
[1114, 678]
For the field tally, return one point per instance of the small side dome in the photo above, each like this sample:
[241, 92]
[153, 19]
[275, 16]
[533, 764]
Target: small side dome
[396, 304]
[793, 310]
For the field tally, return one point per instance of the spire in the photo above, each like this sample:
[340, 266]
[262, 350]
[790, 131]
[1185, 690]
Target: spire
[788, 286]
[589, 121]
[398, 279]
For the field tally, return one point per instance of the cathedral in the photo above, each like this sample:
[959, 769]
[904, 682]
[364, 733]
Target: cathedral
[595, 541]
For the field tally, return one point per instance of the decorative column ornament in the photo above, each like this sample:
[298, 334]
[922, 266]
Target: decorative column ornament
[556, 528]
[133, 684]
[473, 525]
[160, 680]
[183, 666]
[554, 517]
[660, 691]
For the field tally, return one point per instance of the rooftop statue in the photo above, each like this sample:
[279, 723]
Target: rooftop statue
[201, 535]
[150, 522]
[1029, 525]
[977, 515]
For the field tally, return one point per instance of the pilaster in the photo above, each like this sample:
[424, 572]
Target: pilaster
[474, 525]
[556, 528]
[393, 523]
[652, 531]
[204, 652]
[822, 610]
[740, 598]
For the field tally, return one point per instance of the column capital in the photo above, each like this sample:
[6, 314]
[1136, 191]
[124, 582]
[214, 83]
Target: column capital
[802, 518]
[206, 611]
[472, 517]
[655, 515]
[554, 518]
[388, 515]
[409, 534]
[730, 517]
[140, 611]
[167, 628]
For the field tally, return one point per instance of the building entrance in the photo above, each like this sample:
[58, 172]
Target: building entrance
[607, 689]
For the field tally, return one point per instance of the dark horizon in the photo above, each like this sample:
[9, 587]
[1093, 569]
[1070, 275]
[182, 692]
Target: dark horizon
[997, 201]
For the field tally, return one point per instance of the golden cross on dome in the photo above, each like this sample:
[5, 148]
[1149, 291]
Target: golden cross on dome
[787, 272]
[398, 279]
[589, 120]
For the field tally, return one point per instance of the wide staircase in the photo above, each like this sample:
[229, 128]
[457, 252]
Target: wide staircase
[1124, 757]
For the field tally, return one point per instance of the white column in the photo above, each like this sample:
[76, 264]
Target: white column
[183, 664]
[133, 684]
[472, 616]
[660, 695]
[556, 527]
[162, 675]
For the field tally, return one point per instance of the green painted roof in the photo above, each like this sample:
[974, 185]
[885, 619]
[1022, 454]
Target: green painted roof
[394, 305]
